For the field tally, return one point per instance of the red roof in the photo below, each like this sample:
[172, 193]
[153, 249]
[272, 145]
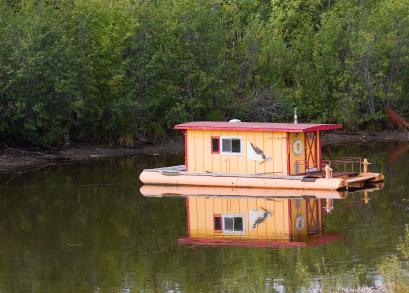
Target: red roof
[257, 126]
[314, 241]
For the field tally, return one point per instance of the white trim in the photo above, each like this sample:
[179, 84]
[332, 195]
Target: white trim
[231, 153]
[234, 216]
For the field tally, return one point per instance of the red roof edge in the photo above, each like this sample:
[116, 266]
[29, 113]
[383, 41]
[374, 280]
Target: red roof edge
[315, 241]
[256, 126]
[323, 127]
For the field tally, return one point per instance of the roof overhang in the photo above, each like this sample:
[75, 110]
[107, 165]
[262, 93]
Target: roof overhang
[257, 126]
[261, 243]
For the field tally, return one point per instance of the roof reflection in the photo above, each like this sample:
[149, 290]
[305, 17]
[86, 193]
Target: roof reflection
[255, 217]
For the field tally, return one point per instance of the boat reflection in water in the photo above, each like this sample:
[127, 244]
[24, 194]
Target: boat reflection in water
[255, 217]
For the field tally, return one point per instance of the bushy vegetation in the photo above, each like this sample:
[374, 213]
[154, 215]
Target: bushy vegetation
[395, 269]
[121, 71]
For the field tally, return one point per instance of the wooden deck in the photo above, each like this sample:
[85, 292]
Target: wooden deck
[177, 175]
[321, 174]
[353, 179]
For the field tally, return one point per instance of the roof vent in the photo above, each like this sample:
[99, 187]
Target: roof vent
[295, 116]
[234, 121]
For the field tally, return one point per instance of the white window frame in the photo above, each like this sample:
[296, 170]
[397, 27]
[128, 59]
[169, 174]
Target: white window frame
[231, 153]
[234, 216]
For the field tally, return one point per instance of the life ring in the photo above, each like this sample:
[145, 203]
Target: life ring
[297, 147]
[299, 223]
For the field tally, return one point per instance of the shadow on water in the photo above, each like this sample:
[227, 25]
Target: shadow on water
[86, 227]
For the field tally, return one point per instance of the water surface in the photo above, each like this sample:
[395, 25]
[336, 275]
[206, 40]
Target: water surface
[86, 228]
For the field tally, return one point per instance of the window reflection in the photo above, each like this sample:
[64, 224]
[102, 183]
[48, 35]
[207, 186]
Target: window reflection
[256, 217]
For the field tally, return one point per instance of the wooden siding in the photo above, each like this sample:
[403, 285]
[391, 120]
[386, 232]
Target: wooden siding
[305, 218]
[203, 209]
[201, 160]
[319, 150]
[310, 149]
[294, 158]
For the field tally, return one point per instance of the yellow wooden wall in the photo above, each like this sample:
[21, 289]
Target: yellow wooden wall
[300, 208]
[301, 158]
[201, 210]
[201, 160]
[293, 156]
[319, 150]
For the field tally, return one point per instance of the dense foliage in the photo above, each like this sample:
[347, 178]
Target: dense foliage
[120, 71]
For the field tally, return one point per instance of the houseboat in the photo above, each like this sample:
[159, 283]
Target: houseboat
[256, 222]
[257, 217]
[260, 155]
[252, 221]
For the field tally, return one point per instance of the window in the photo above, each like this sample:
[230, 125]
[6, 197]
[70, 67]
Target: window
[231, 145]
[217, 223]
[215, 145]
[233, 224]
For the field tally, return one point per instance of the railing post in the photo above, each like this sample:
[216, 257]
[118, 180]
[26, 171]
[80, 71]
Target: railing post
[366, 163]
[329, 205]
[366, 197]
[328, 172]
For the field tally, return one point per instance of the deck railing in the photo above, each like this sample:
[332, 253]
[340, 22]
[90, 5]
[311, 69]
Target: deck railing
[344, 165]
[340, 166]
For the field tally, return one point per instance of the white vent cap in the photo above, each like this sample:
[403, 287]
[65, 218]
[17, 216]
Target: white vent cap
[234, 121]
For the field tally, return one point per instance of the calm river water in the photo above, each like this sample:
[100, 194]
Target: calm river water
[86, 228]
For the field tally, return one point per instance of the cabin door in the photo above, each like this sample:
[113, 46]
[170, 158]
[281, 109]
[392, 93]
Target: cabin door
[313, 216]
[311, 151]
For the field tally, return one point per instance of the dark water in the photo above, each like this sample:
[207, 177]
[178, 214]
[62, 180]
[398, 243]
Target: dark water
[86, 228]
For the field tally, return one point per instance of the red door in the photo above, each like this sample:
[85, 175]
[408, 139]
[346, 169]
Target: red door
[313, 216]
[311, 151]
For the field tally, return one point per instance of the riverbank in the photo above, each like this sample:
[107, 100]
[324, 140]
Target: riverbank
[23, 159]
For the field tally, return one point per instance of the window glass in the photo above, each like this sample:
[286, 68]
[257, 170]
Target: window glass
[238, 224]
[231, 145]
[217, 223]
[235, 146]
[233, 224]
[226, 145]
[215, 145]
[228, 224]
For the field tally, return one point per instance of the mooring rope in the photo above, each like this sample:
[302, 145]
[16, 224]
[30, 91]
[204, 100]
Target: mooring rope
[65, 185]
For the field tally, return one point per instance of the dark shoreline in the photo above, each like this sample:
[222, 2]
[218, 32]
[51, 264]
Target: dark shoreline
[24, 159]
